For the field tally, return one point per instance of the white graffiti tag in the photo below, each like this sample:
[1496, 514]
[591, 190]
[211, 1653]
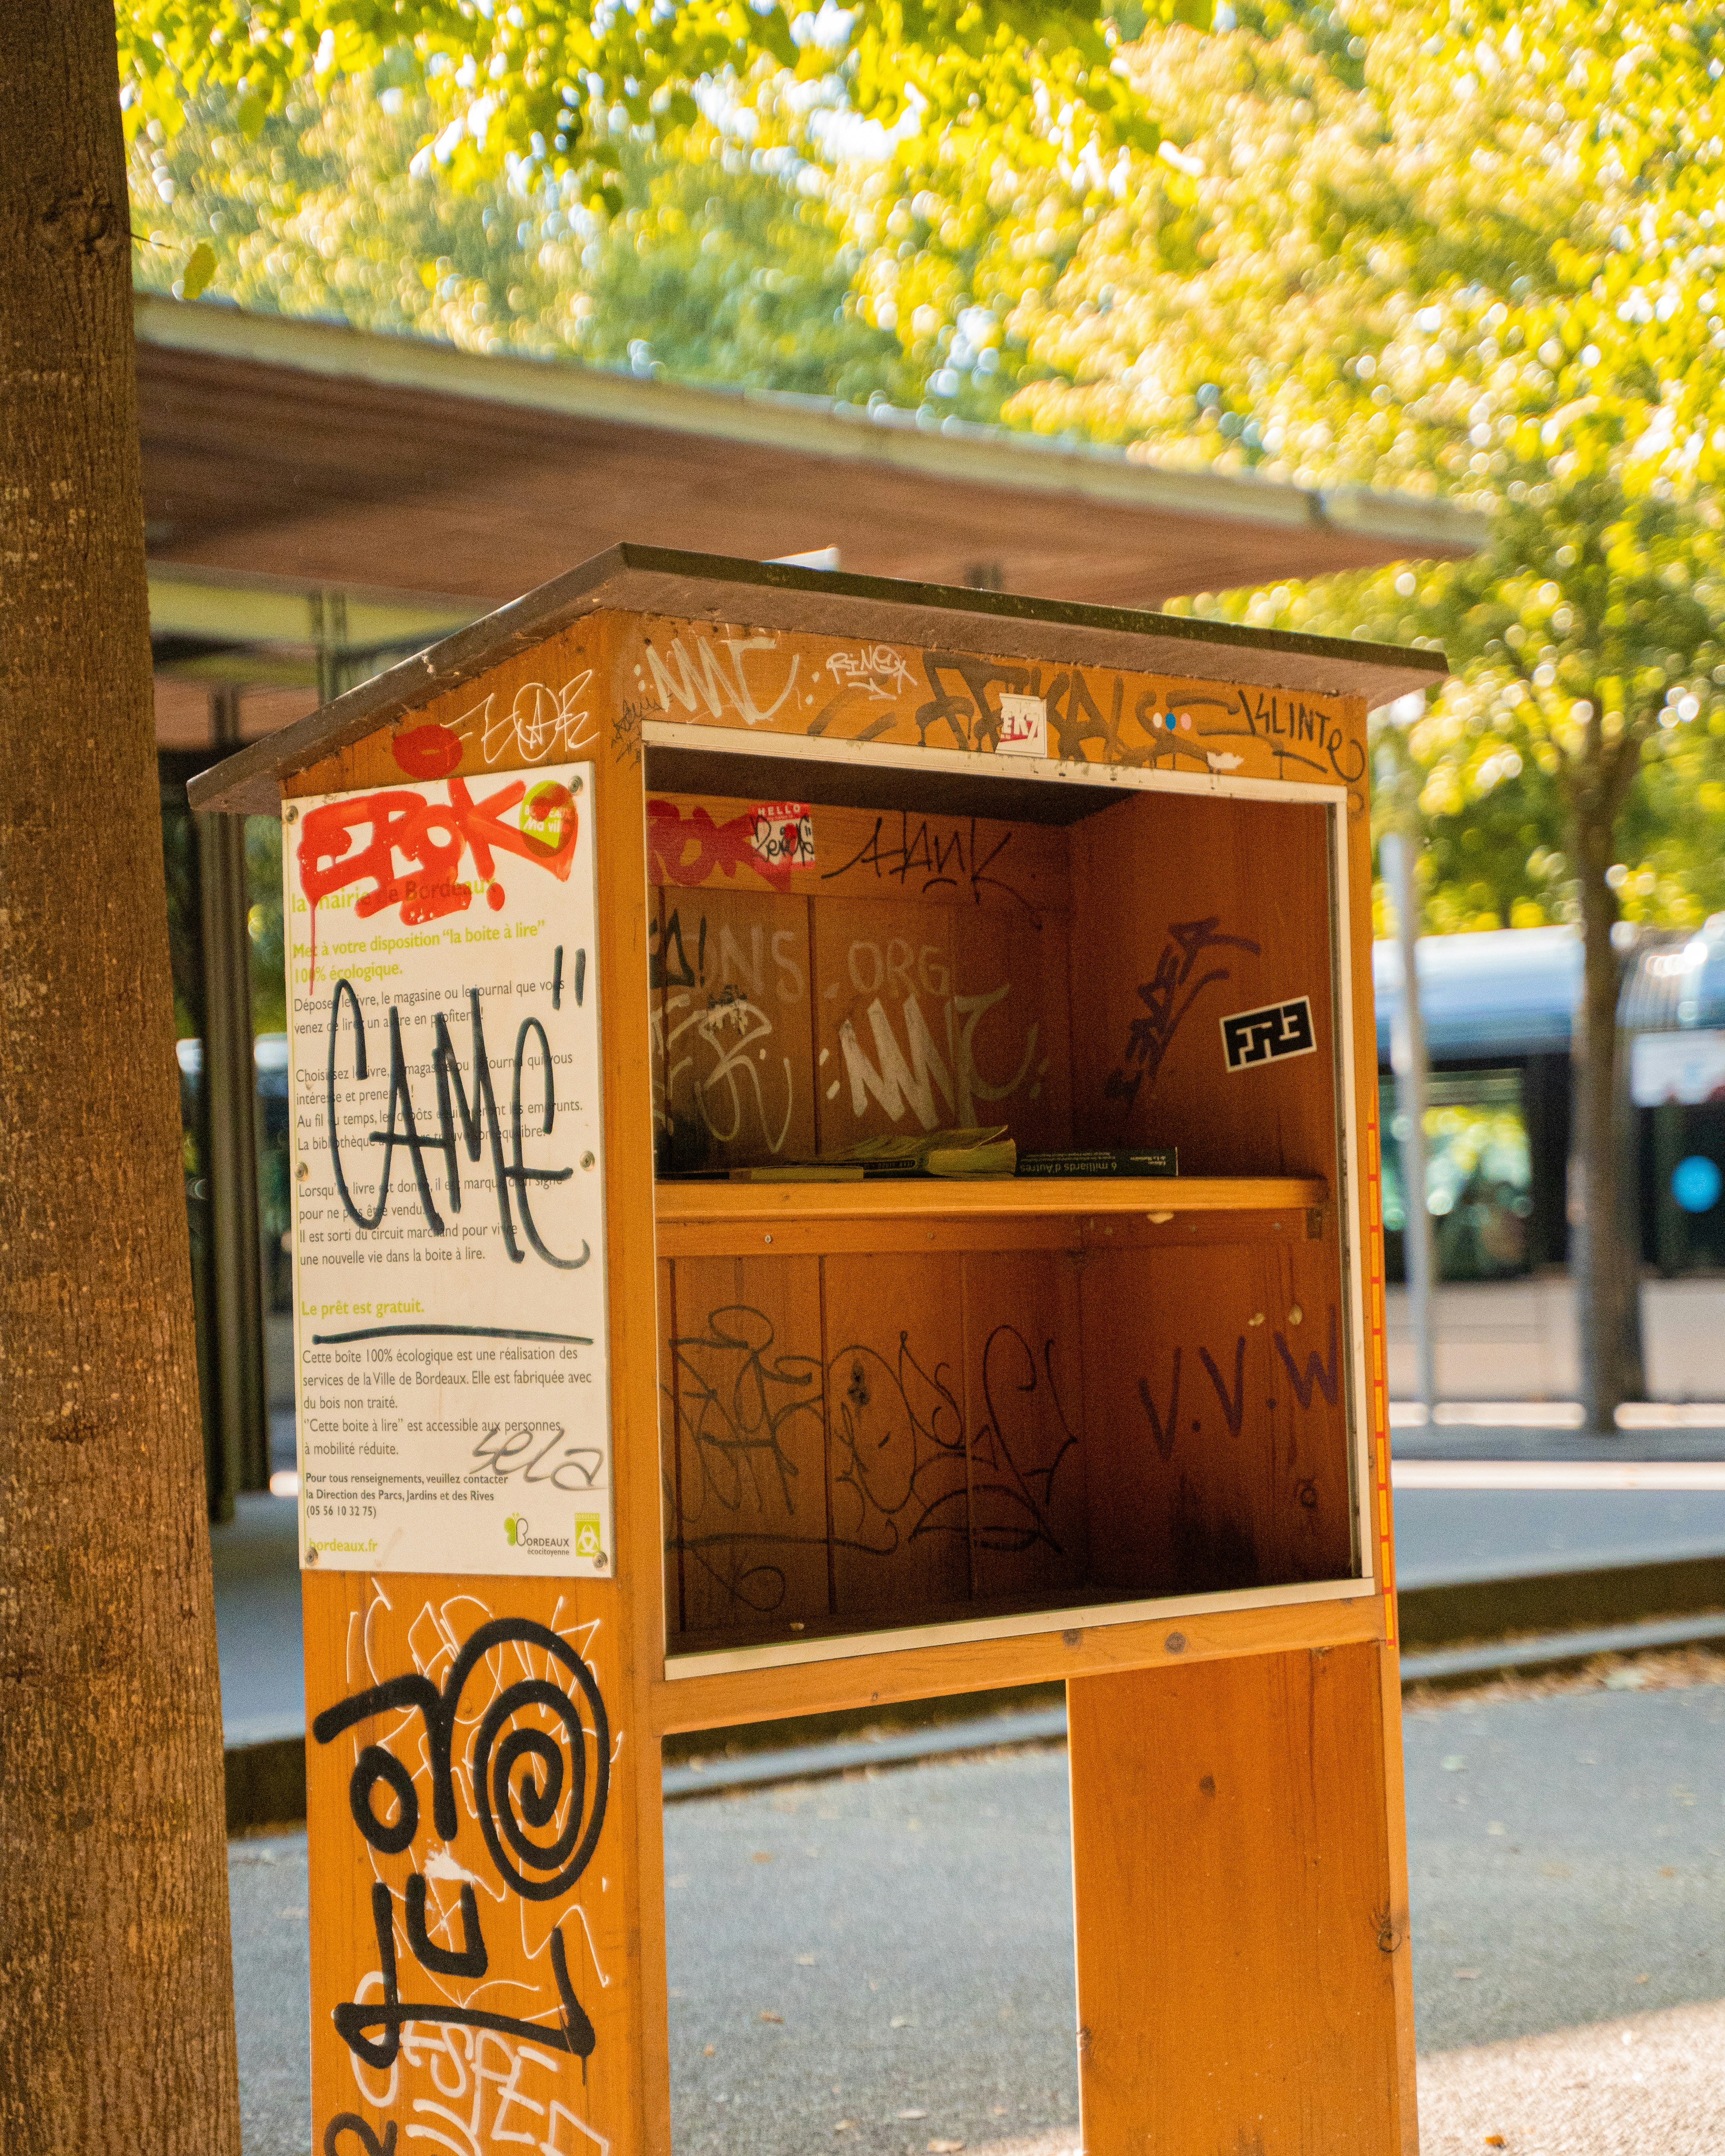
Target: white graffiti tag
[540, 723]
[875, 668]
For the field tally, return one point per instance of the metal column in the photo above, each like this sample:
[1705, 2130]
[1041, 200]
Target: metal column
[230, 1094]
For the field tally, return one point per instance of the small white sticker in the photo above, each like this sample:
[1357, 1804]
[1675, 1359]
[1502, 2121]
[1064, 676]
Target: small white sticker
[784, 834]
[1023, 725]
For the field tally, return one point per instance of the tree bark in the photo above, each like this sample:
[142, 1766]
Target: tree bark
[1603, 1248]
[116, 2018]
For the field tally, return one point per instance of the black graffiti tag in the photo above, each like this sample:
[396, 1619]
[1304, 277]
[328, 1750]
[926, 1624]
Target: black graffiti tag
[522, 1777]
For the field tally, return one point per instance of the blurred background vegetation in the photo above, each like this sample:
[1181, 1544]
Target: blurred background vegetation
[1471, 250]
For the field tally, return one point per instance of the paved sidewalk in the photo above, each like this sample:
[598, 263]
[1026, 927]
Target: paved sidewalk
[256, 1559]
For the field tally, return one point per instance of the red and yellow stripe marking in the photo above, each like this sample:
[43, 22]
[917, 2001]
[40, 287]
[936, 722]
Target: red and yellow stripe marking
[1379, 1354]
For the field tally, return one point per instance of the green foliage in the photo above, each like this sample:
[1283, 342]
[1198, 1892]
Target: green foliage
[200, 268]
[1477, 254]
[527, 82]
[1384, 242]
[1588, 641]
[723, 265]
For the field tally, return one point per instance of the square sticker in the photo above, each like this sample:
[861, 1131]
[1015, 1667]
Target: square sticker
[1023, 725]
[1278, 1030]
[782, 834]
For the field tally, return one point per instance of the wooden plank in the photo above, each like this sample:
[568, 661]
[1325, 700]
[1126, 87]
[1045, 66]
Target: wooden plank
[995, 1231]
[380, 1804]
[884, 1041]
[1235, 1950]
[922, 1022]
[359, 1631]
[1023, 1387]
[739, 1084]
[1367, 1235]
[751, 1530]
[1184, 913]
[679, 1203]
[896, 1423]
[1215, 1385]
[710, 673]
[698, 841]
[720, 1699]
[670, 1463]
[1012, 1024]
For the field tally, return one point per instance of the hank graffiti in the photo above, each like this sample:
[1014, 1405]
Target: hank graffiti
[1166, 996]
[539, 1803]
[756, 1419]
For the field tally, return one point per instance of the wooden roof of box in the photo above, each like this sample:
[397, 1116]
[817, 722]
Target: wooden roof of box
[759, 595]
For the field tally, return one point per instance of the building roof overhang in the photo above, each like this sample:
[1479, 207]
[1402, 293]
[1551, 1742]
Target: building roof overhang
[320, 456]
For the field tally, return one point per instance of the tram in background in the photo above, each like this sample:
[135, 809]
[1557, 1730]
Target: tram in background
[1499, 1010]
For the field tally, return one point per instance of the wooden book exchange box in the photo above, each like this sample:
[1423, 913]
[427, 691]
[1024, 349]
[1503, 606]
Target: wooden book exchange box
[683, 866]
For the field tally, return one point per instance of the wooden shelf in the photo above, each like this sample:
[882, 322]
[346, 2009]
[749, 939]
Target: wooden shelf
[686, 1205]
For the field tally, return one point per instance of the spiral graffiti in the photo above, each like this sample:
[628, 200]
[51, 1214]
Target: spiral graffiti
[523, 1774]
[520, 1788]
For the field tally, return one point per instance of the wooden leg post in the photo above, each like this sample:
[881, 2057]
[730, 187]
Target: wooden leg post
[1238, 1925]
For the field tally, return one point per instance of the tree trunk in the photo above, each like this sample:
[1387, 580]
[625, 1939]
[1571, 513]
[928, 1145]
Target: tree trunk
[1603, 1252]
[116, 2016]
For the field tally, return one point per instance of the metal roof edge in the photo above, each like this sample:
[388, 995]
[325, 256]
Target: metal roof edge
[766, 595]
[954, 450]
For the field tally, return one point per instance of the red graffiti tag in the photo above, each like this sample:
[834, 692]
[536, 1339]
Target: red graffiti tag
[685, 849]
[413, 848]
[428, 752]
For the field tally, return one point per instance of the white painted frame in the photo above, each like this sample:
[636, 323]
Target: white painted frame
[730, 740]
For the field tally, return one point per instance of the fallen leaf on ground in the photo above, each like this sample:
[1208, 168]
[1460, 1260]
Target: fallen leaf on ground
[1465, 1975]
[805, 1961]
[944, 2147]
[844, 2126]
[711, 2051]
[768, 2014]
[913, 2114]
[763, 1856]
[1454, 1764]
[1495, 2141]
[904, 2021]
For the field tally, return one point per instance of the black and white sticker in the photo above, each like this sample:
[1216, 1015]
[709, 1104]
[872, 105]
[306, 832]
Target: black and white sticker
[1269, 1035]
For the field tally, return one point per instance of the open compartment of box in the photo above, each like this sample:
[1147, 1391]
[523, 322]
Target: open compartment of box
[893, 1406]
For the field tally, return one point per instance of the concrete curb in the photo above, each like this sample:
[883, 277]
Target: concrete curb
[1451, 1635]
[1540, 1603]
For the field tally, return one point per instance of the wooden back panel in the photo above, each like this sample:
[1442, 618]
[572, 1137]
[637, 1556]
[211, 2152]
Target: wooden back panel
[906, 973]
[1221, 1375]
[1186, 912]
[862, 1442]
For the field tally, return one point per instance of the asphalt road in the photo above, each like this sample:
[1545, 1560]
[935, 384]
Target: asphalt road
[1449, 1535]
[914, 1930]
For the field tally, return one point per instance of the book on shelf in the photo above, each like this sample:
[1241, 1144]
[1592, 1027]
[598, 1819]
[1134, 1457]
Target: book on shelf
[963, 1154]
[1159, 1160]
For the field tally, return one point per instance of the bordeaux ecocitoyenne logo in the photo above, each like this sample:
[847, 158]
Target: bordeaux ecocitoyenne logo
[515, 1528]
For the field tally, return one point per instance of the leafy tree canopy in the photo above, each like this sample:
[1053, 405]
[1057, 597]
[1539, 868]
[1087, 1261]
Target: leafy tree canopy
[1472, 249]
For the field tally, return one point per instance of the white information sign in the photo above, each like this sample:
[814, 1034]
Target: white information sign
[449, 1178]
